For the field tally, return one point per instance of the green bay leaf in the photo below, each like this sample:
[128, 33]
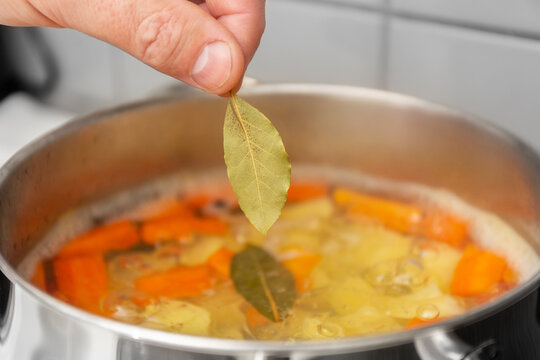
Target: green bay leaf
[257, 164]
[264, 282]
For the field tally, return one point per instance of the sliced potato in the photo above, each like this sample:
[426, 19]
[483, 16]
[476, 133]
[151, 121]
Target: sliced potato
[178, 316]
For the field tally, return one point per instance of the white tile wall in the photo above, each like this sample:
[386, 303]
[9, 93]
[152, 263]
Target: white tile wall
[136, 80]
[87, 79]
[496, 77]
[522, 15]
[370, 3]
[315, 42]
[95, 74]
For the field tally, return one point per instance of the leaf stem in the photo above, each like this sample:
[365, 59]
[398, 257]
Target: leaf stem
[268, 293]
[236, 111]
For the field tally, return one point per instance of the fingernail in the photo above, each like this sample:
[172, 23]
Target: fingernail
[213, 67]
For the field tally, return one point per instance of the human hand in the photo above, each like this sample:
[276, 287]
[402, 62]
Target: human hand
[207, 44]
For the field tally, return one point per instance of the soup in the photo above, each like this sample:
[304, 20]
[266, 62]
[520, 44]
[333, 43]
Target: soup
[365, 256]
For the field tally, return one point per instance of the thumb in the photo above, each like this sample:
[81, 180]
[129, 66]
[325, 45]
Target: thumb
[176, 37]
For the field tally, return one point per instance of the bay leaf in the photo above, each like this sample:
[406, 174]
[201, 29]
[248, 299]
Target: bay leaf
[264, 282]
[257, 164]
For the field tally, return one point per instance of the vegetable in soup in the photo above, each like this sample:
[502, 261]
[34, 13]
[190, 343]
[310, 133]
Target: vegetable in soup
[341, 261]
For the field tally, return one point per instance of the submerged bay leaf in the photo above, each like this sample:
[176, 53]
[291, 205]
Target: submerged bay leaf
[257, 164]
[264, 282]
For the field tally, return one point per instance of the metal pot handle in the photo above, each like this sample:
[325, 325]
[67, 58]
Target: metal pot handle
[443, 345]
[438, 345]
[261, 355]
[6, 290]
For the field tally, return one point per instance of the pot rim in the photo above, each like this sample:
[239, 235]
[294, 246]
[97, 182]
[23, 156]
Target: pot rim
[228, 346]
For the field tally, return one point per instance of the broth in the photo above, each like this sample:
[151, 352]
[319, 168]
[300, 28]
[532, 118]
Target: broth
[367, 256]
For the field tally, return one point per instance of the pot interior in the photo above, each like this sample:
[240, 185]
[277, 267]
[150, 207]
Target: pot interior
[377, 133]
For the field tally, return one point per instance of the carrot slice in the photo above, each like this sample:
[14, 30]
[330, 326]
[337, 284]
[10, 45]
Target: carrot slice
[115, 236]
[405, 218]
[494, 292]
[142, 300]
[254, 319]
[301, 267]
[477, 272]
[198, 201]
[209, 226]
[38, 278]
[82, 280]
[158, 209]
[445, 228]
[418, 322]
[223, 193]
[305, 191]
[220, 261]
[173, 209]
[181, 281]
[179, 228]
[392, 214]
[510, 277]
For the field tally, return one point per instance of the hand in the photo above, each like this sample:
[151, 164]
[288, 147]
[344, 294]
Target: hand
[207, 44]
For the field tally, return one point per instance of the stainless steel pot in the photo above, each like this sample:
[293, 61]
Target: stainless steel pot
[376, 132]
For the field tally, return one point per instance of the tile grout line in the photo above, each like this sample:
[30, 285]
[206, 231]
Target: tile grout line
[467, 25]
[364, 7]
[384, 52]
[408, 15]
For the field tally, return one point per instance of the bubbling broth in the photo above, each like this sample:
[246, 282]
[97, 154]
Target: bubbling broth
[366, 256]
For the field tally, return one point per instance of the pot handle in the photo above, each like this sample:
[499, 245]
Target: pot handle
[5, 300]
[448, 346]
[261, 355]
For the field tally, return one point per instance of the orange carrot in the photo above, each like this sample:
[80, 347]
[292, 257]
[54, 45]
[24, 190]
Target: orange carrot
[220, 261]
[180, 281]
[198, 201]
[254, 319]
[142, 299]
[405, 218]
[210, 226]
[173, 209]
[116, 236]
[179, 228]
[445, 228]
[158, 209]
[163, 230]
[305, 191]
[301, 267]
[418, 322]
[38, 279]
[395, 215]
[194, 202]
[224, 193]
[510, 277]
[477, 272]
[494, 292]
[82, 280]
